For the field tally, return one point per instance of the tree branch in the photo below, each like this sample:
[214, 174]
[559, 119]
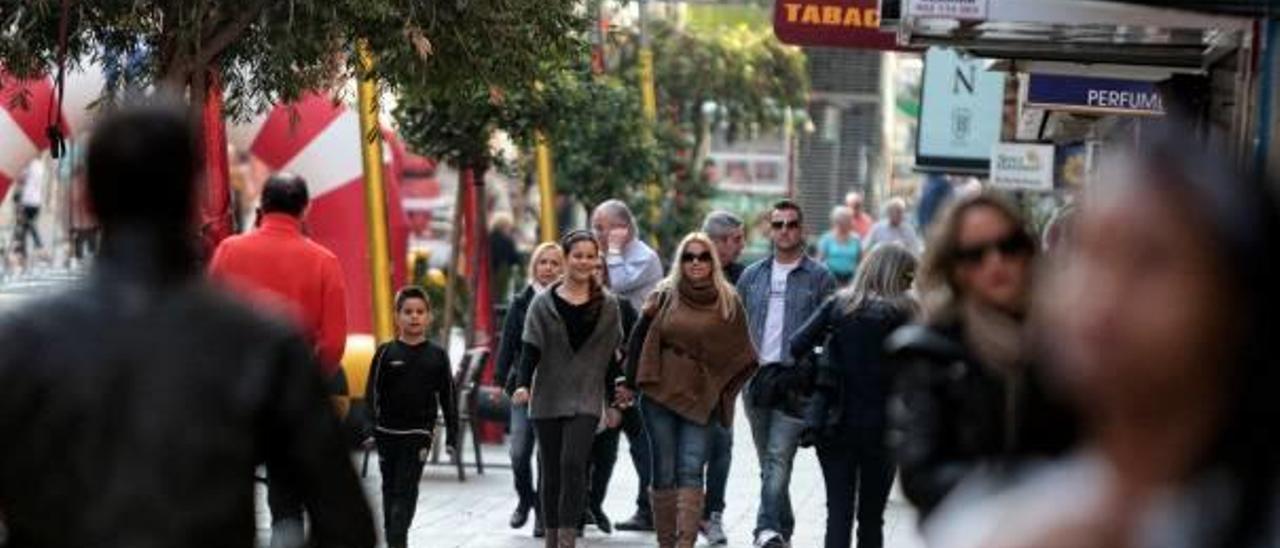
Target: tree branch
[228, 34]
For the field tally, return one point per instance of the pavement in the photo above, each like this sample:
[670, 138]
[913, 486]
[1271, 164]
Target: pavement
[474, 513]
[15, 287]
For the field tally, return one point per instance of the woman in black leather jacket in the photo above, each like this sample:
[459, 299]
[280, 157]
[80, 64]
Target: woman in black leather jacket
[966, 395]
[847, 417]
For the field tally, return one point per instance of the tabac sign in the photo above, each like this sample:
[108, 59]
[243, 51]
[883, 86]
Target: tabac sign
[833, 23]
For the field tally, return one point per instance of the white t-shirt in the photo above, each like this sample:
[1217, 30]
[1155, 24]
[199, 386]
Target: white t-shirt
[771, 345]
[33, 185]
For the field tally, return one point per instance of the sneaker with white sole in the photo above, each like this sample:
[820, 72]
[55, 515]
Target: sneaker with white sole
[769, 538]
[713, 529]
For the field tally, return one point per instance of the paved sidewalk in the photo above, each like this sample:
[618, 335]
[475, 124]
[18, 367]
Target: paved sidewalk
[474, 514]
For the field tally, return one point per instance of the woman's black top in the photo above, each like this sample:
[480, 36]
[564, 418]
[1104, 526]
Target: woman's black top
[854, 380]
[579, 319]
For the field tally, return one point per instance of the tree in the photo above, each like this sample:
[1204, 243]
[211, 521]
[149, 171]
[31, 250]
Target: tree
[271, 51]
[739, 80]
[602, 146]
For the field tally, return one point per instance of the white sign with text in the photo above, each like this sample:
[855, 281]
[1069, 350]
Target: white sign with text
[1017, 166]
[972, 10]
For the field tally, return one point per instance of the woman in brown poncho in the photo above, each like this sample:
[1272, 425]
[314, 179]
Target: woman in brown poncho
[690, 355]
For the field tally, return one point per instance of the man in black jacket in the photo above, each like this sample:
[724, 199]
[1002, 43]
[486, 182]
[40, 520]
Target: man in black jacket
[135, 408]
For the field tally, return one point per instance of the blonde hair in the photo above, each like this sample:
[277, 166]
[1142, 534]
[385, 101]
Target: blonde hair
[728, 296]
[537, 254]
[887, 275]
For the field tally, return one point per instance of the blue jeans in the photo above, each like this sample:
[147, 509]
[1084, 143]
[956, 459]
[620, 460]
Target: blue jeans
[721, 458]
[521, 451]
[776, 436]
[679, 447]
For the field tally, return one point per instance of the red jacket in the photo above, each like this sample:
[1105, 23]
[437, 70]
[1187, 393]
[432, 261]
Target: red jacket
[278, 268]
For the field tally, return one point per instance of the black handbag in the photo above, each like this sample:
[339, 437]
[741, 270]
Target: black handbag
[492, 404]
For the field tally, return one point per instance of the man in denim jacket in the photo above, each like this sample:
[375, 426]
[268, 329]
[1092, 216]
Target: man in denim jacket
[780, 292]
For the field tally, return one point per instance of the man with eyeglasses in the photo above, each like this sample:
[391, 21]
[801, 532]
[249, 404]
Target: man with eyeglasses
[779, 292]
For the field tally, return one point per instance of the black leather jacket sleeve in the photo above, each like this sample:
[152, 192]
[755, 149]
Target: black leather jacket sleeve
[920, 432]
[305, 450]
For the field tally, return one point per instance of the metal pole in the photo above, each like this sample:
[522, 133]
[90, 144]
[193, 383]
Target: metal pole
[546, 190]
[649, 102]
[374, 197]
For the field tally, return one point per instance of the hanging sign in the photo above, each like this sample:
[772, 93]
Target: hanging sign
[961, 112]
[1093, 95]
[834, 23]
[1022, 167]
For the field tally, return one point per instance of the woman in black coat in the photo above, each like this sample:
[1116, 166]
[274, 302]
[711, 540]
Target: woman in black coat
[966, 393]
[847, 418]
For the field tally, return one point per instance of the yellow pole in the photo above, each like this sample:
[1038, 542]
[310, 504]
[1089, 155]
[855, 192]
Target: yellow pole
[546, 190]
[649, 102]
[375, 200]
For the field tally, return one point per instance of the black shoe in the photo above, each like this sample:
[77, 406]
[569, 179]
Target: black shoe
[538, 530]
[638, 522]
[521, 515]
[601, 520]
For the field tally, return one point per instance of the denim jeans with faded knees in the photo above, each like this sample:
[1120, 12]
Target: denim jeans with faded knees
[679, 447]
[521, 451]
[776, 436]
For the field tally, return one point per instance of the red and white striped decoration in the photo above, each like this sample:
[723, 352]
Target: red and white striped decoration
[22, 130]
[320, 141]
[314, 138]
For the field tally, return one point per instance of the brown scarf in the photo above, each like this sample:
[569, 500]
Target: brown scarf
[693, 360]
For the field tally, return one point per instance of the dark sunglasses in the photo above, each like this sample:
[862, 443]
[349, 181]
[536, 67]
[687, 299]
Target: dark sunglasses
[779, 225]
[1013, 245]
[704, 257]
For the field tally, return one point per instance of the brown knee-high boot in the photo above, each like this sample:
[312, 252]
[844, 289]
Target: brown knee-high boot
[550, 538]
[688, 516]
[567, 537]
[663, 502]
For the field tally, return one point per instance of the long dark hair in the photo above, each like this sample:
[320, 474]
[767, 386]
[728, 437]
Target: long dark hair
[1239, 213]
[939, 290]
[576, 237]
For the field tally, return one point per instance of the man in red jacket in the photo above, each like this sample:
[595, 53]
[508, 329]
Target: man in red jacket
[278, 268]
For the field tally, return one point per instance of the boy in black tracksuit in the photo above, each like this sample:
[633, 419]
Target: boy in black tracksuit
[409, 380]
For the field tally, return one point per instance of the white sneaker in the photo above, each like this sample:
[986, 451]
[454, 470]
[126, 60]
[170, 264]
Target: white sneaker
[769, 538]
[713, 529]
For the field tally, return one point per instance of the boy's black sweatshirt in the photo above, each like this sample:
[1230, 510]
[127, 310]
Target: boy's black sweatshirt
[407, 385]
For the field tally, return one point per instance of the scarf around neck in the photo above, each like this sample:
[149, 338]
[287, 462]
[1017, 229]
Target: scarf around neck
[995, 336]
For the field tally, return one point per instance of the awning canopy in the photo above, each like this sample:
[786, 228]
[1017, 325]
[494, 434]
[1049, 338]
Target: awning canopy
[1253, 8]
[1083, 31]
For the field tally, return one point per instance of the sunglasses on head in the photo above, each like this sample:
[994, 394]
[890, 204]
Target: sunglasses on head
[779, 225]
[1010, 246]
[704, 257]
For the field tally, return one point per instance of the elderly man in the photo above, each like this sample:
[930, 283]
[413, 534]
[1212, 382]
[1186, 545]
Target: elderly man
[894, 229]
[634, 268]
[861, 220]
[726, 231]
[633, 271]
[279, 268]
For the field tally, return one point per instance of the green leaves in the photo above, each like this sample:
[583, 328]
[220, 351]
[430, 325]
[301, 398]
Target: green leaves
[273, 51]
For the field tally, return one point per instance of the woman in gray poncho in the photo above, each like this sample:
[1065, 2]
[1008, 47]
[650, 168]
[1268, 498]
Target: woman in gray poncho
[571, 337]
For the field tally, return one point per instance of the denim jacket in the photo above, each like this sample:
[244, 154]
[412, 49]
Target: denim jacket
[807, 287]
